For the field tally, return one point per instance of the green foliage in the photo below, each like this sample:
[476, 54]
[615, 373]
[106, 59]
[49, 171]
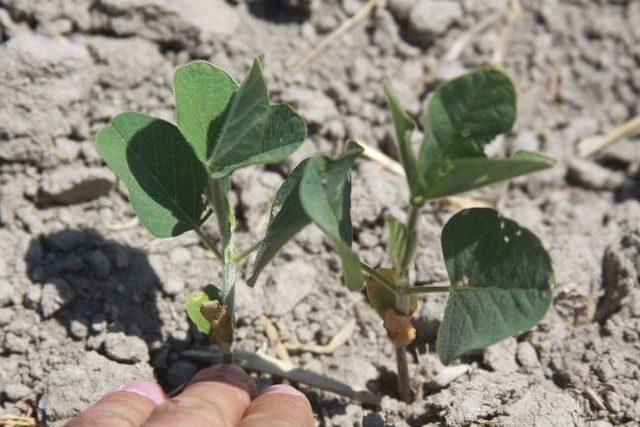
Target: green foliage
[318, 191]
[221, 127]
[325, 194]
[254, 131]
[163, 175]
[194, 303]
[501, 281]
[404, 127]
[203, 93]
[286, 219]
[501, 276]
[463, 116]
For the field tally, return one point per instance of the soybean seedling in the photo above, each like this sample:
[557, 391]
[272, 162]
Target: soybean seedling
[178, 176]
[500, 276]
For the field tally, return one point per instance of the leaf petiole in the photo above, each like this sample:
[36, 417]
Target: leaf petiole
[208, 244]
[206, 216]
[247, 252]
[378, 277]
[425, 289]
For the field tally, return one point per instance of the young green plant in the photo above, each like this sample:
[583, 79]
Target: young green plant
[500, 276]
[178, 176]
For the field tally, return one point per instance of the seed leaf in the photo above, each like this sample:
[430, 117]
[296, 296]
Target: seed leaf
[203, 93]
[161, 171]
[463, 116]
[254, 131]
[325, 193]
[196, 301]
[382, 298]
[404, 127]
[286, 218]
[501, 278]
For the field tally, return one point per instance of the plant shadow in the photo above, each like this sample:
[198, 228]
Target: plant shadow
[276, 12]
[92, 286]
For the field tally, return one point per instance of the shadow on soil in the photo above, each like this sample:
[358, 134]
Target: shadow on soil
[102, 286]
[276, 13]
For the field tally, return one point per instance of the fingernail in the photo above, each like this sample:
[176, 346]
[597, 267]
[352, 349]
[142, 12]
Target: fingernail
[283, 389]
[149, 389]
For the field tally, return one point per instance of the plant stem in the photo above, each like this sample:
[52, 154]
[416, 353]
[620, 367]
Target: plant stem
[403, 303]
[208, 244]
[247, 252]
[412, 222]
[425, 289]
[217, 195]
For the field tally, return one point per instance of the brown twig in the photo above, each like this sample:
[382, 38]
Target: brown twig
[274, 339]
[500, 50]
[457, 202]
[596, 143]
[124, 225]
[17, 420]
[337, 33]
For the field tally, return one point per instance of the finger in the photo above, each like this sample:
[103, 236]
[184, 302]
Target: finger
[216, 396]
[126, 406]
[279, 406]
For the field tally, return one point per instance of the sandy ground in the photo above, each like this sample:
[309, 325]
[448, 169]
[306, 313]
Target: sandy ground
[89, 299]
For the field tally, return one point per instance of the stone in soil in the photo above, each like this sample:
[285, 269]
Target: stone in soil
[55, 295]
[124, 348]
[71, 388]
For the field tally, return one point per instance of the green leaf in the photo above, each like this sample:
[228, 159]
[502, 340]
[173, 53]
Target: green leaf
[397, 241]
[163, 175]
[203, 93]
[325, 193]
[404, 127]
[194, 301]
[501, 280]
[286, 218]
[463, 116]
[253, 131]
[467, 174]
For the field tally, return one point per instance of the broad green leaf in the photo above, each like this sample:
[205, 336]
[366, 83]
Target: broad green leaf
[163, 175]
[501, 280]
[194, 301]
[203, 93]
[463, 116]
[467, 174]
[404, 127]
[325, 193]
[286, 218]
[254, 131]
[397, 241]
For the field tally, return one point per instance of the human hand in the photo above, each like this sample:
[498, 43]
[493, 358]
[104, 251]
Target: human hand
[223, 395]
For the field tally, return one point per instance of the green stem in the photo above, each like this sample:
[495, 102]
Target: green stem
[412, 223]
[207, 243]
[403, 303]
[247, 252]
[425, 289]
[217, 195]
[378, 277]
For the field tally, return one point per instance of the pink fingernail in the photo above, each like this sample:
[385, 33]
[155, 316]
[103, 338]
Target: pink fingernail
[148, 389]
[283, 389]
